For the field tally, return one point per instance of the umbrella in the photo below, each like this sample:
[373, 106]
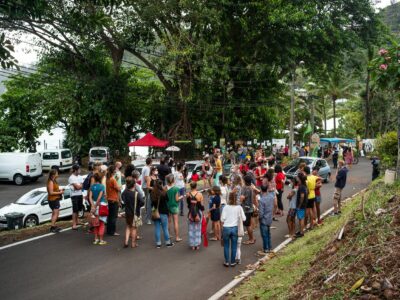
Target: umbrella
[173, 149]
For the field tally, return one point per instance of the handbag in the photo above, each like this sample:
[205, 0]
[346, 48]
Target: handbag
[137, 221]
[240, 226]
[103, 210]
[155, 214]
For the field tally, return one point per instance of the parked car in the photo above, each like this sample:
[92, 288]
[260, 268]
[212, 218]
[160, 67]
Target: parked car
[291, 169]
[100, 154]
[60, 159]
[20, 167]
[192, 166]
[35, 206]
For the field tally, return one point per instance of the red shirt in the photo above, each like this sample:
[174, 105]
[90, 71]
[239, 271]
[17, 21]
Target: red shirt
[195, 177]
[257, 173]
[318, 189]
[278, 179]
[244, 167]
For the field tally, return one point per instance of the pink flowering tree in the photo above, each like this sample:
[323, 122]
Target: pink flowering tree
[386, 74]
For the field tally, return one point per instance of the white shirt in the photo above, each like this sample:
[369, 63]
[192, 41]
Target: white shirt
[230, 215]
[179, 183]
[75, 179]
[224, 194]
[145, 172]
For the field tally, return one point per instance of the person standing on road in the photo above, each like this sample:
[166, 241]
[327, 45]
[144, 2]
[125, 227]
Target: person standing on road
[206, 172]
[75, 181]
[112, 193]
[173, 204]
[230, 218]
[146, 188]
[97, 198]
[335, 157]
[133, 202]
[266, 210]
[301, 202]
[291, 216]
[160, 202]
[340, 183]
[247, 204]
[349, 157]
[318, 197]
[163, 170]
[218, 169]
[180, 184]
[215, 212]
[224, 191]
[54, 196]
[195, 215]
[280, 179]
[118, 173]
[311, 185]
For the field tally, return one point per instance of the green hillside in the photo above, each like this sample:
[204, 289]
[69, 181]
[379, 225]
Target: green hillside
[391, 16]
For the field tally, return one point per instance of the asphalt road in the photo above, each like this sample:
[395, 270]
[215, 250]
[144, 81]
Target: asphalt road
[67, 265]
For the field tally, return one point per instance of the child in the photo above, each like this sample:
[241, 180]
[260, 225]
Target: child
[195, 176]
[215, 212]
[291, 217]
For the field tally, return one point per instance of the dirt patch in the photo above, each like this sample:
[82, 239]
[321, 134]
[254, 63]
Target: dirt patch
[365, 264]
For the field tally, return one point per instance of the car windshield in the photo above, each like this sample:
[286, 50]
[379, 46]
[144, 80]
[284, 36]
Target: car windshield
[98, 153]
[50, 155]
[297, 161]
[66, 154]
[190, 167]
[31, 198]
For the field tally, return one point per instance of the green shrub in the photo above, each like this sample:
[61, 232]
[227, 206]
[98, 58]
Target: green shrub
[386, 148]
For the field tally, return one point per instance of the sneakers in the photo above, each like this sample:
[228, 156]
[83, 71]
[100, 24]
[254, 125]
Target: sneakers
[170, 245]
[96, 242]
[102, 243]
[233, 264]
[148, 222]
[226, 264]
[238, 262]
[299, 234]
[158, 246]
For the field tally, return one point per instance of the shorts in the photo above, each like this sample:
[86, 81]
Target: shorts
[292, 212]
[310, 203]
[337, 196]
[300, 214]
[248, 219]
[318, 199]
[174, 210]
[77, 203]
[54, 204]
[129, 220]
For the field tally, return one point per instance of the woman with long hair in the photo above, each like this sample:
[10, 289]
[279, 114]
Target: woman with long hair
[97, 198]
[160, 204]
[54, 196]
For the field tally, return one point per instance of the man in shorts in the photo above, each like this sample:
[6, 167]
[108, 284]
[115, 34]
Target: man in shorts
[311, 185]
[318, 198]
[75, 182]
[301, 202]
[340, 183]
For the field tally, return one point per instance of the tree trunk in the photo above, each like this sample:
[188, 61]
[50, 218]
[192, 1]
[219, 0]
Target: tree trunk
[398, 140]
[334, 114]
[367, 114]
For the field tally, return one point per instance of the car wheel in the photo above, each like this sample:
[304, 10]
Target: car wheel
[31, 221]
[81, 213]
[18, 179]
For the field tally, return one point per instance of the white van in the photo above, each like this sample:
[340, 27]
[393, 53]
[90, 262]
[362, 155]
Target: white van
[100, 154]
[60, 159]
[20, 167]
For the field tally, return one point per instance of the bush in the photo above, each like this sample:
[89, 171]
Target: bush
[386, 148]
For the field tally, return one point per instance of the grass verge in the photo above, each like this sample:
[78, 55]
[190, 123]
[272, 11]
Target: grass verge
[275, 279]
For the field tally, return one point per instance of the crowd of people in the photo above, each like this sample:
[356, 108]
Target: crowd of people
[250, 197]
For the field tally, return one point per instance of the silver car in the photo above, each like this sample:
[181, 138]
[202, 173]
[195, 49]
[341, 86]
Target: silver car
[291, 169]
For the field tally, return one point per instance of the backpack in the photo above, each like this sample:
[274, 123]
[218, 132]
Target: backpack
[194, 213]
[86, 182]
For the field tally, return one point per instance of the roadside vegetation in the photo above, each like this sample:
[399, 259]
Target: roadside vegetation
[364, 262]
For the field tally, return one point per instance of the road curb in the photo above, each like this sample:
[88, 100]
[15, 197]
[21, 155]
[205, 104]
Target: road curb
[236, 281]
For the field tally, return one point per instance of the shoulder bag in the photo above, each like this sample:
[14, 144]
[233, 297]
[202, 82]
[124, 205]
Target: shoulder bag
[155, 214]
[137, 221]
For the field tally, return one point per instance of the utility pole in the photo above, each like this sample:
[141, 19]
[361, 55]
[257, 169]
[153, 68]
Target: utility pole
[291, 133]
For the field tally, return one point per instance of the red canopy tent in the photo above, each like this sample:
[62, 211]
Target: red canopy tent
[149, 140]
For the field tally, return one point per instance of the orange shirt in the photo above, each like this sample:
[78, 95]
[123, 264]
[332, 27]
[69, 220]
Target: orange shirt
[56, 188]
[218, 165]
[112, 190]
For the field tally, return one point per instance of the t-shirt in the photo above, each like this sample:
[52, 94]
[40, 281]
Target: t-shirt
[302, 190]
[179, 180]
[311, 184]
[96, 189]
[292, 201]
[118, 178]
[230, 215]
[112, 189]
[261, 173]
[145, 172]
[195, 177]
[163, 171]
[215, 213]
[278, 179]
[173, 205]
[75, 179]
[224, 194]
[129, 199]
[318, 189]
[218, 165]
[247, 204]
